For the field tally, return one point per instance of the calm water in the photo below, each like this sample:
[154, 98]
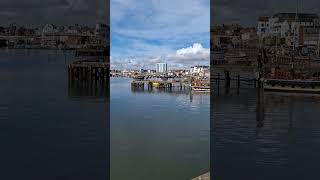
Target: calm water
[49, 129]
[266, 135]
[158, 135]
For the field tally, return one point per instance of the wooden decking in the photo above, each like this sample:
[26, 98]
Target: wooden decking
[161, 84]
[89, 70]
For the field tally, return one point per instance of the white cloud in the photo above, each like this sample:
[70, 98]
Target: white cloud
[182, 58]
[144, 32]
[193, 50]
[169, 22]
[194, 55]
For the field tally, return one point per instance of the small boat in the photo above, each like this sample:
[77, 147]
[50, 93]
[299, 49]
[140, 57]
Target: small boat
[138, 78]
[156, 84]
[307, 86]
[201, 88]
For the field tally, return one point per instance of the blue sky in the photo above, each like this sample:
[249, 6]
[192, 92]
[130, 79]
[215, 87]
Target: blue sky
[144, 32]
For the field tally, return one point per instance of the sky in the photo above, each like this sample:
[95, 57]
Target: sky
[145, 32]
[246, 12]
[60, 12]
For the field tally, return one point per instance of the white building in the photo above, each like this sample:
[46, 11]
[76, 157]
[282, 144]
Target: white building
[292, 26]
[161, 67]
[263, 26]
[199, 69]
[49, 29]
[282, 24]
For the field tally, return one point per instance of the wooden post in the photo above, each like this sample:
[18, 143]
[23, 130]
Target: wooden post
[218, 81]
[227, 78]
[238, 81]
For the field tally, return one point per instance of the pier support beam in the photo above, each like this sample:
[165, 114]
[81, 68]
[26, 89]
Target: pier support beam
[227, 78]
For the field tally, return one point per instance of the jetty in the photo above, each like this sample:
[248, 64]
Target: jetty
[89, 70]
[159, 84]
[90, 52]
[91, 64]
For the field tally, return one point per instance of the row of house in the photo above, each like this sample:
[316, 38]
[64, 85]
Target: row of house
[228, 35]
[51, 36]
[200, 71]
[298, 29]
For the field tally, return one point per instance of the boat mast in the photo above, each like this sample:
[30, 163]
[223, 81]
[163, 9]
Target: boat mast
[295, 27]
[318, 45]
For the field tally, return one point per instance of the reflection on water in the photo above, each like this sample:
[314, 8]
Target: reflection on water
[88, 88]
[44, 133]
[265, 135]
[158, 134]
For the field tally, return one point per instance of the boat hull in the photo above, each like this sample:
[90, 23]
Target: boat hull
[299, 86]
[200, 89]
[156, 84]
[289, 89]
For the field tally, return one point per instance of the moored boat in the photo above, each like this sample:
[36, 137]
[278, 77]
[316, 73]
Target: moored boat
[156, 84]
[311, 86]
[139, 78]
[200, 88]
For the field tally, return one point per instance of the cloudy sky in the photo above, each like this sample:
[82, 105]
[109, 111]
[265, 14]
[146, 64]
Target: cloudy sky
[246, 12]
[144, 32]
[37, 12]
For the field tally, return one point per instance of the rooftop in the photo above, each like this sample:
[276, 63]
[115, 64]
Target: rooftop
[292, 16]
[263, 18]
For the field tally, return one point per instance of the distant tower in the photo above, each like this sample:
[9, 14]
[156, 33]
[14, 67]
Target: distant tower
[161, 67]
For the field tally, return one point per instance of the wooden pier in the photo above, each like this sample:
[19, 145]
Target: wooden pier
[88, 78]
[240, 81]
[150, 84]
[89, 70]
[91, 52]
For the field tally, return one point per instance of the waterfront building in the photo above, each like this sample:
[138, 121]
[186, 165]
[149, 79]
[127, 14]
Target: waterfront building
[263, 26]
[161, 68]
[281, 24]
[143, 70]
[298, 29]
[151, 71]
[199, 69]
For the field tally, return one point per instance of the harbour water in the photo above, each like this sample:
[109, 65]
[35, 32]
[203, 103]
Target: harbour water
[49, 129]
[265, 135]
[158, 134]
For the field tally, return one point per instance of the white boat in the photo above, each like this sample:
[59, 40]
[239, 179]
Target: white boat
[309, 86]
[200, 88]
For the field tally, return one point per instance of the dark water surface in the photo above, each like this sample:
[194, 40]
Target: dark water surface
[47, 131]
[265, 135]
[158, 135]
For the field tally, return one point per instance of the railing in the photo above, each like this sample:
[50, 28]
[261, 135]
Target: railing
[240, 80]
